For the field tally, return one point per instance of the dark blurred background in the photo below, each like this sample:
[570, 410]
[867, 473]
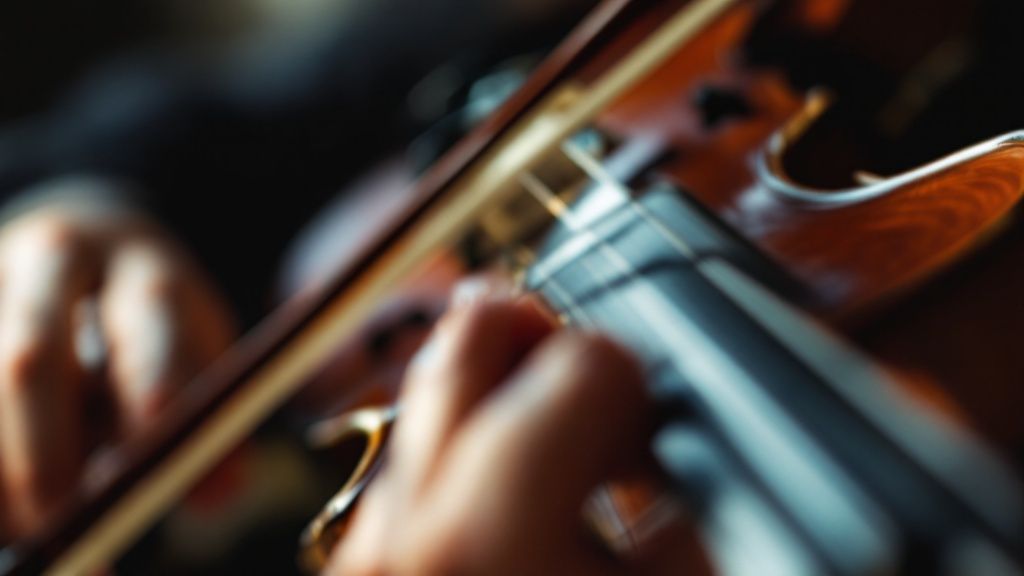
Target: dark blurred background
[234, 121]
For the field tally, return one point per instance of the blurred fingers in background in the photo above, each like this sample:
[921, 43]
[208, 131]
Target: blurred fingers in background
[102, 319]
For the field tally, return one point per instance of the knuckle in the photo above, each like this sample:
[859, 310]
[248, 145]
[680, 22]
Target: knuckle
[456, 338]
[143, 276]
[361, 565]
[156, 278]
[473, 320]
[23, 363]
[49, 232]
[143, 407]
[479, 323]
[602, 369]
[24, 481]
[160, 285]
[438, 553]
[599, 354]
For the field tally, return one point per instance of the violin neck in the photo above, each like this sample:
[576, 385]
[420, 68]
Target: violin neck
[776, 431]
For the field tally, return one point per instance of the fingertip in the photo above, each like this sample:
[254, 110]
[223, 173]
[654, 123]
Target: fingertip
[483, 287]
[141, 410]
[495, 332]
[567, 419]
[469, 355]
[595, 376]
[533, 305]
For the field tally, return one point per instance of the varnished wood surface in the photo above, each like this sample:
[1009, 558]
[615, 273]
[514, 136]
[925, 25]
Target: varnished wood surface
[897, 273]
[869, 252]
[852, 256]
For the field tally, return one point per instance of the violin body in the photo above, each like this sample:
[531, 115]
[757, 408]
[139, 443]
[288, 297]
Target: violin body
[663, 168]
[886, 270]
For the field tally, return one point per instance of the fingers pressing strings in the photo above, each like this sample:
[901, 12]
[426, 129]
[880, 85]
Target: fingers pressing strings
[533, 452]
[470, 352]
[506, 430]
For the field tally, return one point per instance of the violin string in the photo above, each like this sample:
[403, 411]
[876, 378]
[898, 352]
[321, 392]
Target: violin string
[622, 532]
[785, 442]
[624, 536]
[563, 213]
[558, 208]
[593, 168]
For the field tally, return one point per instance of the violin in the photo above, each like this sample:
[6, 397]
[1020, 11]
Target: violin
[832, 349]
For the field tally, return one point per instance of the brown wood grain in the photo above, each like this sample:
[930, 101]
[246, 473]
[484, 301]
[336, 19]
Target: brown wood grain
[928, 278]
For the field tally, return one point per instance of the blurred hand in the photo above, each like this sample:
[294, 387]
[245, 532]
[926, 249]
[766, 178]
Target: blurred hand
[102, 318]
[506, 428]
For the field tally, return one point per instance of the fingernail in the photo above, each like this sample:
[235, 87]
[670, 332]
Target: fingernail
[89, 341]
[537, 304]
[427, 355]
[479, 288]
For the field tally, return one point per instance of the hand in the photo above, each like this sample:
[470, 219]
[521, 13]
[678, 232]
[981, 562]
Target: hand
[96, 302]
[506, 428]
